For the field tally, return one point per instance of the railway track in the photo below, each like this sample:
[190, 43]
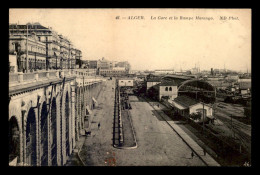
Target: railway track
[223, 116]
[231, 108]
[240, 135]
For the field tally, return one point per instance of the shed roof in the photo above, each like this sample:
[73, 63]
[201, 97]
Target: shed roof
[125, 78]
[245, 85]
[168, 83]
[185, 101]
[156, 87]
[154, 80]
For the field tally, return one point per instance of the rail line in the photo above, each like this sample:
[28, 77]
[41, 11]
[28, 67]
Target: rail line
[243, 137]
[223, 114]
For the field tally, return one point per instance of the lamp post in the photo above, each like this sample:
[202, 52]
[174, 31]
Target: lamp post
[68, 63]
[56, 62]
[18, 56]
[35, 62]
[26, 48]
[61, 63]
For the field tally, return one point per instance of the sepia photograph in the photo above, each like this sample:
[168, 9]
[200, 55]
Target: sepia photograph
[127, 87]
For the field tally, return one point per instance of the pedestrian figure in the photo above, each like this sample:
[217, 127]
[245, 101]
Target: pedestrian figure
[192, 155]
[158, 105]
[204, 151]
[98, 125]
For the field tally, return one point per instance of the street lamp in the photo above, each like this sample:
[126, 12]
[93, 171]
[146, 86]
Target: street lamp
[35, 62]
[68, 63]
[18, 56]
[56, 62]
[61, 63]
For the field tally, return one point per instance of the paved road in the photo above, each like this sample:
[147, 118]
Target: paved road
[158, 144]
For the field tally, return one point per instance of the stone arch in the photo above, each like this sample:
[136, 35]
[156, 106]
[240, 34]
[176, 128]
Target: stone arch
[79, 108]
[61, 127]
[90, 96]
[76, 112]
[53, 133]
[44, 134]
[30, 136]
[15, 111]
[87, 95]
[14, 139]
[65, 91]
[67, 123]
[82, 107]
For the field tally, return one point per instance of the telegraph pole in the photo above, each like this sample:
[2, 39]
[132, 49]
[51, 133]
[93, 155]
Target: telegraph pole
[203, 116]
[26, 48]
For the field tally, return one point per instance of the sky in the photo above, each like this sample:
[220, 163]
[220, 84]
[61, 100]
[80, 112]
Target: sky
[155, 42]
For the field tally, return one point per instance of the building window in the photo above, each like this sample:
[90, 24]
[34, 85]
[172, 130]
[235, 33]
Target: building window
[170, 88]
[166, 89]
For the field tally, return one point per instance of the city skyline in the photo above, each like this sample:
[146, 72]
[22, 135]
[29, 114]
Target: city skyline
[148, 44]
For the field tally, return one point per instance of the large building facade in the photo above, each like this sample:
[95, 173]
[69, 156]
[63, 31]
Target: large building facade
[103, 64]
[18, 46]
[116, 72]
[92, 64]
[125, 65]
[59, 51]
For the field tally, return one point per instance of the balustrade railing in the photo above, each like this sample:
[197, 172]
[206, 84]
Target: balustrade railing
[13, 77]
[52, 74]
[42, 75]
[66, 72]
[28, 76]
[36, 76]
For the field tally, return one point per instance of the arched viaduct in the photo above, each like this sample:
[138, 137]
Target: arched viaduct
[46, 115]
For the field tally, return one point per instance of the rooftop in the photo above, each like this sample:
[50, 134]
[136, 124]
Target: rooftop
[178, 76]
[185, 101]
[168, 83]
[155, 87]
[125, 78]
[30, 26]
[154, 80]
[245, 85]
[118, 68]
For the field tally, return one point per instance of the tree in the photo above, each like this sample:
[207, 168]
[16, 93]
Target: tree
[196, 116]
